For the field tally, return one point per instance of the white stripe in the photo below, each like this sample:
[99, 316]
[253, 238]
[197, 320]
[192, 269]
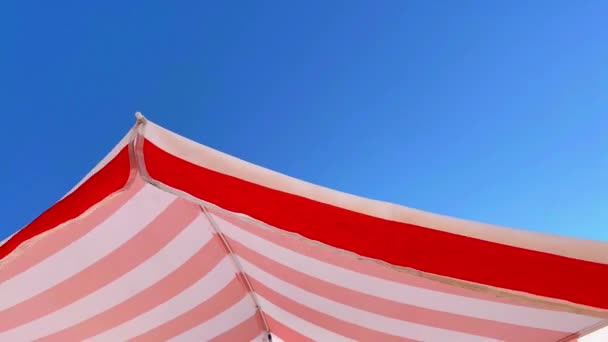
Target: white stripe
[202, 290]
[406, 294]
[221, 323]
[130, 219]
[600, 335]
[167, 260]
[299, 325]
[356, 316]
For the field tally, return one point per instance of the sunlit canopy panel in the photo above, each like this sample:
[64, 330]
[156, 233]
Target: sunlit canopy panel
[167, 239]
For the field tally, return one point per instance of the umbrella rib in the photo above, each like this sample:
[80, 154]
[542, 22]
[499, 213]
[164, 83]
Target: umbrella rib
[241, 271]
[137, 158]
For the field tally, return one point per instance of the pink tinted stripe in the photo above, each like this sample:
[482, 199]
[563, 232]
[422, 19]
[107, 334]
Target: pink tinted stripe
[388, 308]
[246, 331]
[285, 332]
[58, 239]
[177, 281]
[123, 259]
[338, 258]
[220, 302]
[321, 319]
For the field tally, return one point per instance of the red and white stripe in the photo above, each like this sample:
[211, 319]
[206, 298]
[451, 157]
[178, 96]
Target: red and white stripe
[297, 274]
[133, 253]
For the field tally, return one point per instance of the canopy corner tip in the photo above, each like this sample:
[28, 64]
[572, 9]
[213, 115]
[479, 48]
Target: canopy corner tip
[139, 117]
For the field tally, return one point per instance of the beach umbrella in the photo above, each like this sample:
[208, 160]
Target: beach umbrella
[167, 239]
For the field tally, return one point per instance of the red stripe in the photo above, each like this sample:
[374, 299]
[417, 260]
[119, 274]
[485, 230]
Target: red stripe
[402, 244]
[111, 178]
[165, 227]
[284, 332]
[197, 267]
[220, 302]
[349, 262]
[58, 239]
[389, 308]
[246, 331]
[322, 319]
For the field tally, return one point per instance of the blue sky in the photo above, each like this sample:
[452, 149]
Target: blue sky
[488, 110]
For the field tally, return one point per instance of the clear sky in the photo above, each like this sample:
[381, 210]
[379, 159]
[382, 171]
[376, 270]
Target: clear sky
[495, 111]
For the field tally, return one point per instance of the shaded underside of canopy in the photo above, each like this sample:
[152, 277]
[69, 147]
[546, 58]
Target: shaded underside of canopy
[167, 239]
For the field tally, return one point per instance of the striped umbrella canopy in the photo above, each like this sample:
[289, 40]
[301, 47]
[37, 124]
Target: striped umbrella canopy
[166, 239]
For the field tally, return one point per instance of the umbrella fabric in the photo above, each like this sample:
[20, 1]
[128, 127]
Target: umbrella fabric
[167, 239]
